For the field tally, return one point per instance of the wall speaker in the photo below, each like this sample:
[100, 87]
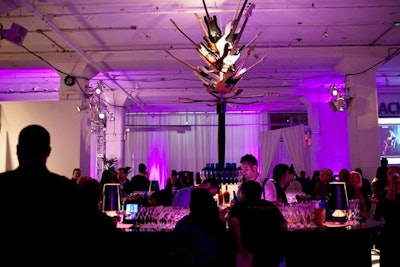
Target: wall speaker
[16, 34]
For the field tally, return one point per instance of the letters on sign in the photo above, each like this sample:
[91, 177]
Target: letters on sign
[391, 108]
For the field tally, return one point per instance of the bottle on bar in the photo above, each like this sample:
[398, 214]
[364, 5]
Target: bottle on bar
[220, 197]
[227, 196]
[235, 198]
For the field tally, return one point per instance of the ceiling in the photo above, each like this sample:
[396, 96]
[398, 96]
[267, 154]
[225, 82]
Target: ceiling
[122, 44]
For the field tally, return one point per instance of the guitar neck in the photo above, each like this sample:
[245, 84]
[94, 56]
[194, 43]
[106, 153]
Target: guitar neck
[201, 24]
[233, 35]
[239, 35]
[205, 9]
[237, 19]
[181, 60]
[184, 34]
[206, 37]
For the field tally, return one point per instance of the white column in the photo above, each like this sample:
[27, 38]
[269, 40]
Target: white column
[115, 136]
[363, 111]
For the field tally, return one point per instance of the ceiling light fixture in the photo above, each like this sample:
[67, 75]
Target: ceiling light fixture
[112, 117]
[340, 102]
[98, 112]
[334, 91]
[99, 88]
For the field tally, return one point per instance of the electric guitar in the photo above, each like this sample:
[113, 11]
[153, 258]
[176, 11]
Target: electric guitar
[210, 43]
[230, 31]
[207, 53]
[207, 76]
[214, 32]
[239, 35]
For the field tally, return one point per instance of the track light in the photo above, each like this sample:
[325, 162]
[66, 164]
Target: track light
[99, 88]
[340, 102]
[112, 118]
[98, 91]
[102, 116]
[334, 90]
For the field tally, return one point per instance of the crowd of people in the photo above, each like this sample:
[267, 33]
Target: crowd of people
[251, 229]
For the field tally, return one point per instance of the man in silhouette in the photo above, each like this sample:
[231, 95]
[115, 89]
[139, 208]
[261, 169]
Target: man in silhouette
[140, 182]
[41, 211]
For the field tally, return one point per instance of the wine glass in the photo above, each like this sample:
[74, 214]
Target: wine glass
[120, 214]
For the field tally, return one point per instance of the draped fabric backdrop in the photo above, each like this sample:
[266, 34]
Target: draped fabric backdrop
[294, 141]
[158, 141]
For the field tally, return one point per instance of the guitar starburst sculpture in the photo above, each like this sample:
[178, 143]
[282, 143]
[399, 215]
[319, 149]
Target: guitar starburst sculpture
[221, 51]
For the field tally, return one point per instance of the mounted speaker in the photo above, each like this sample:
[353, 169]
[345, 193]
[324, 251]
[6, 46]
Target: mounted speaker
[69, 80]
[16, 34]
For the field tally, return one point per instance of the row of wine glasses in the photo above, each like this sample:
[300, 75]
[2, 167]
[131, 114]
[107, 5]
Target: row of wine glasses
[159, 218]
[299, 215]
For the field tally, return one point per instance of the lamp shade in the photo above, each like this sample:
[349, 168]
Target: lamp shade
[338, 196]
[111, 197]
[337, 201]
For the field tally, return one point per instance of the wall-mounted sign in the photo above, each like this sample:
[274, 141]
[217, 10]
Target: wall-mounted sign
[389, 105]
[389, 108]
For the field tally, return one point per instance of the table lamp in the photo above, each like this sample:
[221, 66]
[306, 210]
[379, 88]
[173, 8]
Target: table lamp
[337, 202]
[111, 197]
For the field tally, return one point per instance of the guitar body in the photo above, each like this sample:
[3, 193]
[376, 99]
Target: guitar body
[227, 85]
[214, 32]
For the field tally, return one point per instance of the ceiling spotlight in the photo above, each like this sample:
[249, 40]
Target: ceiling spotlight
[334, 91]
[102, 115]
[112, 118]
[341, 103]
[325, 34]
[98, 90]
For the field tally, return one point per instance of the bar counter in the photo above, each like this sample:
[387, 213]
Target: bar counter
[322, 246]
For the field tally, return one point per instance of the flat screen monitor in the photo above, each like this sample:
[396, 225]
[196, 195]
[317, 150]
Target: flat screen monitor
[131, 211]
[389, 139]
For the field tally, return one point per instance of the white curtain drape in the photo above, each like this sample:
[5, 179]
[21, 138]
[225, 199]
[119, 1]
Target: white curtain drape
[293, 139]
[295, 142]
[269, 146]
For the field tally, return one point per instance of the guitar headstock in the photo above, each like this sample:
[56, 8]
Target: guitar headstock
[249, 9]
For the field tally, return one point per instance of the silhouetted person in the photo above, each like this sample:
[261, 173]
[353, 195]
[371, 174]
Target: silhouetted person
[140, 182]
[76, 173]
[108, 177]
[41, 212]
[101, 225]
[199, 239]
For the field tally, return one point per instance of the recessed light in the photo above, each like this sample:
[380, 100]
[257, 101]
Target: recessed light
[397, 24]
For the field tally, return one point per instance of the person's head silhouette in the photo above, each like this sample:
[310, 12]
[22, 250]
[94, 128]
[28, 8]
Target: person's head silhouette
[33, 144]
